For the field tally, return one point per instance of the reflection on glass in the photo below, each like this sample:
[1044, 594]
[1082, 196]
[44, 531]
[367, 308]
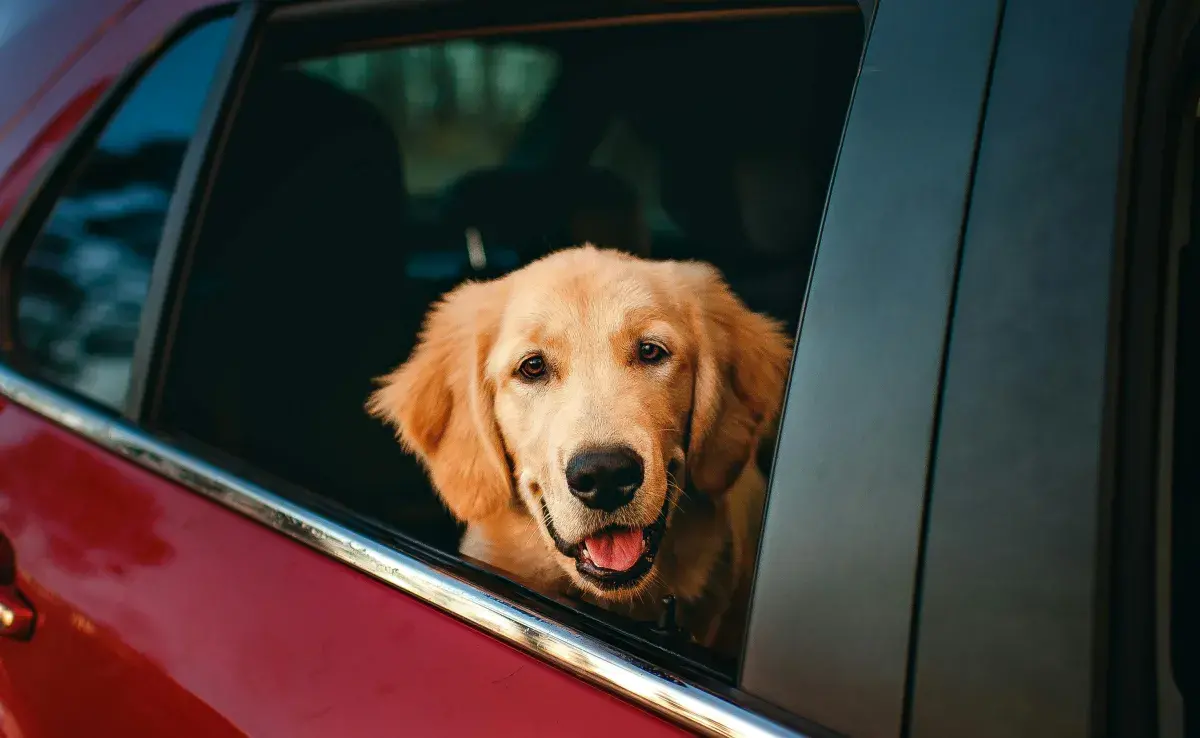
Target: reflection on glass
[83, 285]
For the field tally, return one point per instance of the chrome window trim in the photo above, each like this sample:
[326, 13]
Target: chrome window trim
[578, 654]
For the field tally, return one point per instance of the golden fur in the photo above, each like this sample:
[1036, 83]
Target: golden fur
[495, 444]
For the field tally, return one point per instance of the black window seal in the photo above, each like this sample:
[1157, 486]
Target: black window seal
[363, 25]
[186, 211]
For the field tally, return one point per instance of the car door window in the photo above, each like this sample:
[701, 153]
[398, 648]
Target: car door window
[356, 190]
[83, 283]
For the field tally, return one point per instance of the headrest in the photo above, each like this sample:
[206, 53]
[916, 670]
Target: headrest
[291, 121]
[537, 211]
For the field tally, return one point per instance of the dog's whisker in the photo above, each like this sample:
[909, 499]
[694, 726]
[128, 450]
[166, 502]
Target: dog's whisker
[673, 486]
[673, 501]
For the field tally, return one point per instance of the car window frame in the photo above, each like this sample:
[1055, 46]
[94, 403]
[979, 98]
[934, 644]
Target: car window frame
[455, 25]
[695, 706]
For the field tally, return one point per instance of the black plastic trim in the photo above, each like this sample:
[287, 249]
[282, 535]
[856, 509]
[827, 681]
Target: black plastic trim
[914, 642]
[1014, 609]
[186, 210]
[833, 601]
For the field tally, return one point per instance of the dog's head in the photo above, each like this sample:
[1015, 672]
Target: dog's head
[589, 385]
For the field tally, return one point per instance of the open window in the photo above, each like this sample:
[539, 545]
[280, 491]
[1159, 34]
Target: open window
[368, 171]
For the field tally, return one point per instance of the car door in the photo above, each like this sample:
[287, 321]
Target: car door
[180, 552]
[94, 544]
[95, 665]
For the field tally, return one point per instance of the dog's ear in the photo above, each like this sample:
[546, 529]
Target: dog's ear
[742, 361]
[441, 404]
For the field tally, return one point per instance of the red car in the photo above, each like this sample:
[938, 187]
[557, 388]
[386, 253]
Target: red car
[220, 221]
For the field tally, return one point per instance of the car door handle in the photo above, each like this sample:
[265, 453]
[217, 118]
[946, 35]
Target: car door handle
[16, 615]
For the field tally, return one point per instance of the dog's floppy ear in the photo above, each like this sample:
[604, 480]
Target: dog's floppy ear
[742, 361]
[442, 406]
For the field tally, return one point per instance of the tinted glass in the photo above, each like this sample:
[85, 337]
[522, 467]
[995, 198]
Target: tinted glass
[82, 287]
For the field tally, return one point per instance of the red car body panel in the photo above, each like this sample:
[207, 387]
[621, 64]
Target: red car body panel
[45, 39]
[63, 95]
[163, 613]
[160, 612]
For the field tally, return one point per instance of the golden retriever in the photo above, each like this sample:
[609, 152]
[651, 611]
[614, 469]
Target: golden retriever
[593, 418]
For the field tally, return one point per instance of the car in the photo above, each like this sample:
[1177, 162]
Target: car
[221, 221]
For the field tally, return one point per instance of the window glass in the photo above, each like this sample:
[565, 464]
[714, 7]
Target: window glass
[82, 286]
[356, 192]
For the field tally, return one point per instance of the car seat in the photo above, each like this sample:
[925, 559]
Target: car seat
[297, 299]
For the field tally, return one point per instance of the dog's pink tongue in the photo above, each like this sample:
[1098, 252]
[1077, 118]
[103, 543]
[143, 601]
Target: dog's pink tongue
[615, 551]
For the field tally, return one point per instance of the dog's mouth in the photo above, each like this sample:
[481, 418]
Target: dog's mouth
[617, 556]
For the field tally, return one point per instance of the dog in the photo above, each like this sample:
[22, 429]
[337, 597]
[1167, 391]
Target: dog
[594, 418]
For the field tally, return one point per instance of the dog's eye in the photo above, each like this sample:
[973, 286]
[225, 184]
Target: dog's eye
[651, 353]
[533, 367]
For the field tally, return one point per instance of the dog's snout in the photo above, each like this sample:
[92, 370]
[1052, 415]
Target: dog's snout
[605, 478]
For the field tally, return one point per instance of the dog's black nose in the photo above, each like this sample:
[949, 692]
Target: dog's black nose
[605, 478]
